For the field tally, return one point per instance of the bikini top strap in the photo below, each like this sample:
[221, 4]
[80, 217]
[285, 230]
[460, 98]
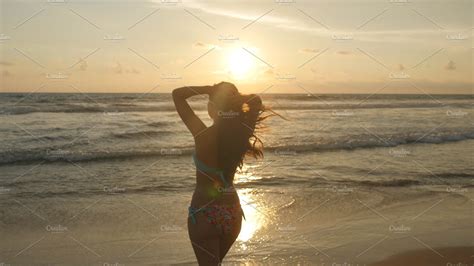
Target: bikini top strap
[205, 168]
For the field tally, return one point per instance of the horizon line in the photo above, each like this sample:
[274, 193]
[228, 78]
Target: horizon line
[273, 93]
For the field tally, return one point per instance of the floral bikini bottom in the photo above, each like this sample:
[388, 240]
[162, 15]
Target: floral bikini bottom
[222, 216]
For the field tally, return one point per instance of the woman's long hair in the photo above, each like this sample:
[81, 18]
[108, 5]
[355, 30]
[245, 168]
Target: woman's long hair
[239, 116]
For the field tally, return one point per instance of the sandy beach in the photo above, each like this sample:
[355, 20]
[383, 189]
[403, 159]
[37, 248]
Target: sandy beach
[117, 192]
[449, 256]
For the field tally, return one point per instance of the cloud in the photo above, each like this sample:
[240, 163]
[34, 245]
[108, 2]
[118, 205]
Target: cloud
[119, 69]
[201, 45]
[450, 66]
[132, 71]
[344, 52]
[269, 72]
[5, 63]
[230, 9]
[6, 73]
[309, 50]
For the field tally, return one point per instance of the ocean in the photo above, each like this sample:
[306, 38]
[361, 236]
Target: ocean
[107, 177]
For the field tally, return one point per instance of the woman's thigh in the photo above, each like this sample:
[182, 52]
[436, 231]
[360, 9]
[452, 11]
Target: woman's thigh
[227, 239]
[205, 240]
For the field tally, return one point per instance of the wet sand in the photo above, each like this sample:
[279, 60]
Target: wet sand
[448, 256]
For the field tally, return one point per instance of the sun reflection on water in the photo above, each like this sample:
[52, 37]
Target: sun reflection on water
[254, 213]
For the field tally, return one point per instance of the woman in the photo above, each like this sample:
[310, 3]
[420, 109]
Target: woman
[215, 214]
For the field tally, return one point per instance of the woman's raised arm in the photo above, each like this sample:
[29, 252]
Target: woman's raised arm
[190, 119]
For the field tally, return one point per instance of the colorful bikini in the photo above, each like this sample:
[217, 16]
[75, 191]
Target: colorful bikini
[219, 215]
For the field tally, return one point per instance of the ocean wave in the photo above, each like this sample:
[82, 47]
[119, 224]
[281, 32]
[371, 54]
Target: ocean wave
[159, 124]
[339, 186]
[104, 190]
[343, 186]
[349, 185]
[202, 106]
[142, 134]
[349, 142]
[365, 141]
[64, 155]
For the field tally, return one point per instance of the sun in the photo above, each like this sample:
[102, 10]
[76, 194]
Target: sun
[240, 63]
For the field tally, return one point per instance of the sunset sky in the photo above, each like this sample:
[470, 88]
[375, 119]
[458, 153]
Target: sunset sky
[284, 46]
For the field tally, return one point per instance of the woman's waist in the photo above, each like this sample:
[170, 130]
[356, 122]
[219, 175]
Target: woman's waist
[203, 196]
